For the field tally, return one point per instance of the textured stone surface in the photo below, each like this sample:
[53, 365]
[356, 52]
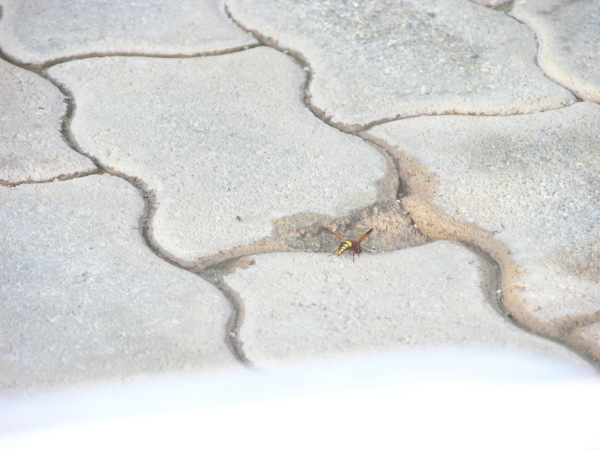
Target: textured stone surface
[588, 337]
[224, 142]
[31, 146]
[569, 46]
[83, 298]
[383, 59]
[37, 32]
[234, 146]
[534, 181]
[305, 305]
[493, 3]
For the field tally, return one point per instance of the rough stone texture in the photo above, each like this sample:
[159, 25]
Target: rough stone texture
[385, 59]
[533, 179]
[569, 46]
[83, 298]
[492, 3]
[38, 32]
[588, 337]
[224, 142]
[305, 305]
[31, 147]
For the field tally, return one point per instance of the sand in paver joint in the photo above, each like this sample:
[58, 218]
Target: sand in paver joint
[166, 174]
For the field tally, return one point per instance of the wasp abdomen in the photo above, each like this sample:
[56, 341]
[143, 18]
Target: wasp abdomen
[345, 245]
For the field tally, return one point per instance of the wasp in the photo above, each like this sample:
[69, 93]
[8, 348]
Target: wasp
[350, 245]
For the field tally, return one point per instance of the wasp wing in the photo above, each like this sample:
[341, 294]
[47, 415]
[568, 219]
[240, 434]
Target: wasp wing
[335, 234]
[365, 235]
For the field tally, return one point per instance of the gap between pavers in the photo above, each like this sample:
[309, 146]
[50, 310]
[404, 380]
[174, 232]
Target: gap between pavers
[82, 298]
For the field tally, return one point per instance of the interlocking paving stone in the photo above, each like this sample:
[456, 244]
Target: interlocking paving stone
[569, 45]
[37, 32]
[493, 3]
[224, 142]
[384, 59]
[31, 147]
[588, 337]
[533, 179]
[304, 305]
[83, 298]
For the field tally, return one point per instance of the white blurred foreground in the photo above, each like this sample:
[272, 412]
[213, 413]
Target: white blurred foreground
[428, 400]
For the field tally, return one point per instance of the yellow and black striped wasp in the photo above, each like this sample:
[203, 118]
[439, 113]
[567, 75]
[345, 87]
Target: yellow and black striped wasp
[350, 245]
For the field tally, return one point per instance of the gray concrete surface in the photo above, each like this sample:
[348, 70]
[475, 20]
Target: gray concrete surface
[32, 148]
[166, 171]
[307, 306]
[377, 60]
[83, 298]
[533, 182]
[228, 162]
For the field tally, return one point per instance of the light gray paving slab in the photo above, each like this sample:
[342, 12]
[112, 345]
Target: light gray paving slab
[533, 180]
[373, 60]
[224, 142]
[31, 146]
[492, 3]
[301, 305]
[569, 36]
[83, 298]
[38, 32]
[588, 337]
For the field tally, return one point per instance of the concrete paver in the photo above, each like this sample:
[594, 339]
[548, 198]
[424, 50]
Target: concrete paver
[31, 147]
[533, 181]
[39, 32]
[83, 297]
[304, 305]
[569, 47]
[209, 146]
[587, 337]
[379, 60]
[224, 143]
